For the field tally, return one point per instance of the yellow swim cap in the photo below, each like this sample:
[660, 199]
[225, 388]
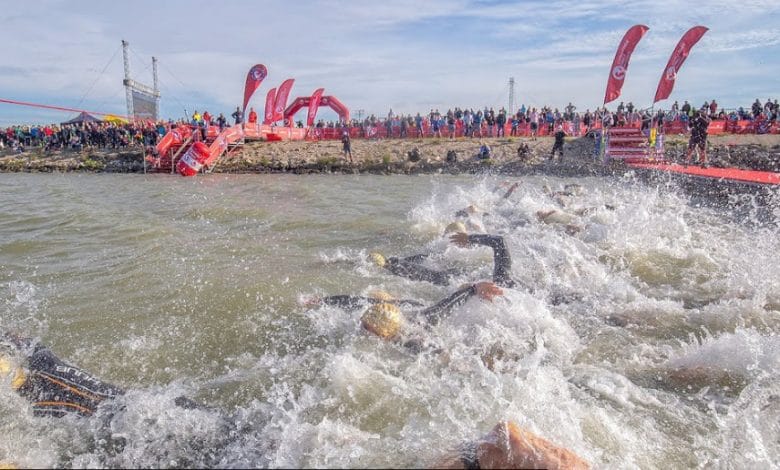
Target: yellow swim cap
[381, 295]
[377, 259]
[7, 369]
[383, 319]
[455, 227]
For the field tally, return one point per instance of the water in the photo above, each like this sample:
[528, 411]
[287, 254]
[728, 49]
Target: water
[649, 339]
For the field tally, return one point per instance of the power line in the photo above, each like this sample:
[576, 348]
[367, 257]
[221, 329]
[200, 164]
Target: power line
[99, 76]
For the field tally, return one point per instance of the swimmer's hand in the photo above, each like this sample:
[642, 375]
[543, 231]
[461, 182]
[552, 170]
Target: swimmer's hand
[460, 239]
[487, 290]
[311, 302]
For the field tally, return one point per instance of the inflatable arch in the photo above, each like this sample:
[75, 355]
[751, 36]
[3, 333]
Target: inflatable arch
[330, 101]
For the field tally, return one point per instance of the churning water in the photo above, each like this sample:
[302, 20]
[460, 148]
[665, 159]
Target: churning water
[647, 339]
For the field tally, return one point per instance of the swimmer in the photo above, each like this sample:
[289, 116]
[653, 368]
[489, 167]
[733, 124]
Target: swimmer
[510, 446]
[54, 387]
[385, 320]
[411, 268]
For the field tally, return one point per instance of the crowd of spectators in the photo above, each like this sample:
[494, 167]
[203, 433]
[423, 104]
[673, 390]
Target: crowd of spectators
[485, 122]
[490, 123]
[80, 136]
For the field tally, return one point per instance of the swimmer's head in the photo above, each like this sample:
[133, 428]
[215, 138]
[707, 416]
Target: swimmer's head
[382, 319]
[455, 227]
[11, 370]
[574, 188]
[381, 295]
[377, 259]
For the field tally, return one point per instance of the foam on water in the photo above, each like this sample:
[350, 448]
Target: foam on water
[645, 338]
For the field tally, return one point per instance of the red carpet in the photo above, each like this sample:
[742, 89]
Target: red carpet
[734, 174]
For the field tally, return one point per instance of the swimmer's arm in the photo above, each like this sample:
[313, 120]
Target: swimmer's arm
[415, 258]
[436, 312]
[354, 302]
[502, 260]
[347, 302]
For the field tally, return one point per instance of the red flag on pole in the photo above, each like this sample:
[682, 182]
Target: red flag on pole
[314, 103]
[254, 78]
[269, 106]
[679, 55]
[281, 98]
[617, 73]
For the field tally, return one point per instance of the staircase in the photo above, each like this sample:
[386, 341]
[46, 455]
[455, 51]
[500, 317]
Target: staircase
[176, 142]
[630, 145]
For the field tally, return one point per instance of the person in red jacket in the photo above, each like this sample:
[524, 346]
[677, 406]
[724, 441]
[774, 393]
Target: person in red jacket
[252, 116]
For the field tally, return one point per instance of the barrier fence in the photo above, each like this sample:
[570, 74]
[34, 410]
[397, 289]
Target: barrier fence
[525, 130]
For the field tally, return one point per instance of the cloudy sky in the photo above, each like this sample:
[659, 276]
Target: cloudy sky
[408, 55]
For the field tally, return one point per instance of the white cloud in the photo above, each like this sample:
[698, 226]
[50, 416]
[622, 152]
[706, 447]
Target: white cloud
[406, 54]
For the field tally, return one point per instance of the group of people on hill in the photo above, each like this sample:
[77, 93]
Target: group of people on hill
[80, 136]
[488, 122]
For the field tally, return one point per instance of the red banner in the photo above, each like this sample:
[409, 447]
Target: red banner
[679, 55]
[269, 106]
[254, 78]
[281, 98]
[314, 103]
[620, 64]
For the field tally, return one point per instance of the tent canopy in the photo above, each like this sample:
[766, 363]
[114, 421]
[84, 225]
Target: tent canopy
[115, 119]
[82, 117]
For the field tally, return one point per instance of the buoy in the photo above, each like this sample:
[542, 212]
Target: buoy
[193, 159]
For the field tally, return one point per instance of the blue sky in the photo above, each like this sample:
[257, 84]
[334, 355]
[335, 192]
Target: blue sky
[406, 55]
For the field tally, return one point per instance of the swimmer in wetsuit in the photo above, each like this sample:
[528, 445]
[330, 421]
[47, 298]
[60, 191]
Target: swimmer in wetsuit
[384, 319]
[54, 387]
[510, 446]
[411, 268]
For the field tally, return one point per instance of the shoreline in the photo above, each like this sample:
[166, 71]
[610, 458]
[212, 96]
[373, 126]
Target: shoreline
[391, 156]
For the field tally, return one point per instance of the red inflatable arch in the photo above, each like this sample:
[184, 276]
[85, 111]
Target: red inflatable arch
[330, 101]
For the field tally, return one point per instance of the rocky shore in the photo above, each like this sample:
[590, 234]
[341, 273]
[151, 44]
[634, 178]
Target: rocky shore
[392, 156]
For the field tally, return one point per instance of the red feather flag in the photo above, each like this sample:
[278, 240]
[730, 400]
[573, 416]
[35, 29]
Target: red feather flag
[314, 103]
[269, 106]
[254, 78]
[281, 98]
[617, 74]
[679, 55]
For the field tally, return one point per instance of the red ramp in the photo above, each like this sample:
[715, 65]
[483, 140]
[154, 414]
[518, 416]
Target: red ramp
[729, 174]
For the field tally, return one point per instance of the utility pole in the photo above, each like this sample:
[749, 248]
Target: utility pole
[126, 81]
[156, 89]
[511, 95]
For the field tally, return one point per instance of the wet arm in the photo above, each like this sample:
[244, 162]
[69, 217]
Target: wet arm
[442, 309]
[502, 260]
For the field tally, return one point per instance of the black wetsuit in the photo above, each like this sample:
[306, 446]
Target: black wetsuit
[411, 268]
[57, 388]
[432, 314]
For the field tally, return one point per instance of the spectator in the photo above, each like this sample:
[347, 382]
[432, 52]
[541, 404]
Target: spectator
[252, 116]
[558, 145]
[238, 116]
[347, 145]
[698, 140]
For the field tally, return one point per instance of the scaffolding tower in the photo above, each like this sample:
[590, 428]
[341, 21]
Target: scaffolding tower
[511, 95]
[143, 102]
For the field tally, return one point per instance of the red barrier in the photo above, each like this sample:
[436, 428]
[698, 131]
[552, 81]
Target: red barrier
[675, 127]
[716, 127]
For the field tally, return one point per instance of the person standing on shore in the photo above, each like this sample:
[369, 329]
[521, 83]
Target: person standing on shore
[347, 143]
[698, 126]
[558, 146]
[238, 116]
